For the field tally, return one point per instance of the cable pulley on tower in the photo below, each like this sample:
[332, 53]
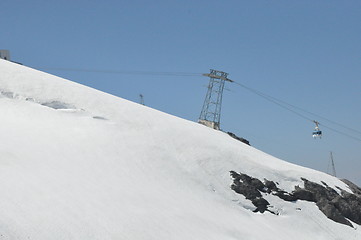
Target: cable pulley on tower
[222, 75]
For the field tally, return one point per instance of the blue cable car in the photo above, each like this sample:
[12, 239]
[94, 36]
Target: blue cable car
[317, 133]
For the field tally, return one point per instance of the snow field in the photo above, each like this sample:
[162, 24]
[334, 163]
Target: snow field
[108, 168]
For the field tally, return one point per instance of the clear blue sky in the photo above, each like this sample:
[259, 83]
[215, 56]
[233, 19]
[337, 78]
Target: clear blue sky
[307, 53]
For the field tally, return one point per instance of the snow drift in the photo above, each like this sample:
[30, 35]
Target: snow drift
[77, 163]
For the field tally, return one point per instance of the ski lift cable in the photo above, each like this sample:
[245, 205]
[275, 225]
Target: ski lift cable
[314, 114]
[326, 119]
[182, 74]
[299, 108]
[319, 116]
[282, 104]
[273, 100]
[342, 133]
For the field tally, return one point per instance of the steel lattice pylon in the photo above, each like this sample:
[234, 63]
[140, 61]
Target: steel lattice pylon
[211, 111]
[332, 163]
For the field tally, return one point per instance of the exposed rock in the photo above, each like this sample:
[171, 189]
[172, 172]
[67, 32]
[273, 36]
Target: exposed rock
[332, 212]
[320, 191]
[285, 195]
[354, 188]
[243, 184]
[336, 207]
[303, 194]
[238, 138]
[58, 105]
[270, 186]
[349, 206]
[250, 188]
[99, 118]
[7, 94]
[261, 204]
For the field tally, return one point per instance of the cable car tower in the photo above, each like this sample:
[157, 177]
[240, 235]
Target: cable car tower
[211, 111]
[332, 163]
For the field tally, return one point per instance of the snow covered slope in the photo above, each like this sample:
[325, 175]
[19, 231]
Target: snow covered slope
[77, 163]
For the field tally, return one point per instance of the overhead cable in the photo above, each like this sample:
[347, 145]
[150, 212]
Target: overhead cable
[182, 74]
[288, 106]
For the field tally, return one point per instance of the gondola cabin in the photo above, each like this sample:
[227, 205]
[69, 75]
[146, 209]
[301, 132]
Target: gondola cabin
[317, 133]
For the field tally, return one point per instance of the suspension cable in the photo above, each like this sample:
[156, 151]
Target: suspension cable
[288, 106]
[181, 74]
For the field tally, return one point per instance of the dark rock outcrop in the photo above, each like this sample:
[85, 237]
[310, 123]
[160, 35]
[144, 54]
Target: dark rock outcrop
[354, 188]
[335, 206]
[251, 188]
[303, 194]
[238, 138]
[338, 207]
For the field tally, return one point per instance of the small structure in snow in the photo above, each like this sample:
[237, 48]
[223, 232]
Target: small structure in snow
[5, 54]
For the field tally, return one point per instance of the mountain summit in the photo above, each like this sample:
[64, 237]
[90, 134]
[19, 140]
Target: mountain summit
[77, 163]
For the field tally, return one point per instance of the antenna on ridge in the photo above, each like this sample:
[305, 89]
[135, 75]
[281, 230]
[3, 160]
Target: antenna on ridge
[332, 166]
[141, 99]
[211, 111]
